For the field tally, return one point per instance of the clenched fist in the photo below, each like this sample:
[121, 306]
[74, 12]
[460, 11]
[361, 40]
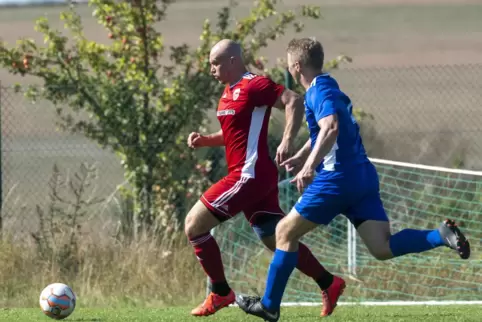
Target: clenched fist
[194, 140]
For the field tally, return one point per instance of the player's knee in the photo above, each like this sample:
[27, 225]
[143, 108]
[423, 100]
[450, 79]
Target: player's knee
[284, 231]
[381, 252]
[376, 236]
[193, 225]
[382, 256]
[199, 221]
[189, 226]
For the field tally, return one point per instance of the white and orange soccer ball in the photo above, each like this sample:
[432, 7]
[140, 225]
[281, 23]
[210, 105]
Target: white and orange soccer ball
[57, 301]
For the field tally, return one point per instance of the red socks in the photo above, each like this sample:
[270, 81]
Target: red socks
[310, 266]
[207, 252]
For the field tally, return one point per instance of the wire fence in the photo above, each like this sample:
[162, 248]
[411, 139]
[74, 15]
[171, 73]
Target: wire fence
[426, 114]
[422, 114]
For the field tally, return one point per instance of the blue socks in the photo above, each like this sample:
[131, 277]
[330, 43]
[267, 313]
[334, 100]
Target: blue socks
[414, 241]
[283, 263]
[280, 269]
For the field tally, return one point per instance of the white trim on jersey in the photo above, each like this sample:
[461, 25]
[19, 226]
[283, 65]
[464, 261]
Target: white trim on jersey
[257, 120]
[330, 159]
[242, 77]
[313, 82]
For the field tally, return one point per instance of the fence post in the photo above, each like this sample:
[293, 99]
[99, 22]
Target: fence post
[351, 241]
[289, 85]
[1, 163]
[208, 280]
[288, 79]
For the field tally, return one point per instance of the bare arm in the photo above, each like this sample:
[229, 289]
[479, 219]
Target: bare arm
[196, 140]
[304, 152]
[214, 139]
[294, 111]
[324, 142]
[294, 108]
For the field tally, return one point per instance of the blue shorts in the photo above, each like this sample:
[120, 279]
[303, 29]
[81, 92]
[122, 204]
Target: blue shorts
[354, 193]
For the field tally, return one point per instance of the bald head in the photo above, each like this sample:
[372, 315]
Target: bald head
[227, 47]
[226, 60]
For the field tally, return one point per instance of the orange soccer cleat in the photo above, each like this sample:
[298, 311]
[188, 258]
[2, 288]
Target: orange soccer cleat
[331, 295]
[214, 303]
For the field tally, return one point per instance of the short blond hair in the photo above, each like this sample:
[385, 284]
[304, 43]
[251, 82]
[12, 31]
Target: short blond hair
[308, 52]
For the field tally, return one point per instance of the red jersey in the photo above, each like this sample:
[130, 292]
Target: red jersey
[244, 111]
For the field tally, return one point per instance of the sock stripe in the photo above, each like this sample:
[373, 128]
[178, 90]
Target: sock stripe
[201, 239]
[209, 256]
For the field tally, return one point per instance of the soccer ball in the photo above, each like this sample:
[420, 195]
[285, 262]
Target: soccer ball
[57, 301]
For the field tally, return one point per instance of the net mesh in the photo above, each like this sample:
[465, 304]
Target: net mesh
[414, 197]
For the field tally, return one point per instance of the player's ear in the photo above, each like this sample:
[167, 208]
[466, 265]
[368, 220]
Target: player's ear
[298, 67]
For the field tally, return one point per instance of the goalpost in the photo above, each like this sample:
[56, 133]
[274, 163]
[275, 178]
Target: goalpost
[415, 196]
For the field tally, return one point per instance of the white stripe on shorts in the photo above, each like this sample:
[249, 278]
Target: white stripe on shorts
[227, 195]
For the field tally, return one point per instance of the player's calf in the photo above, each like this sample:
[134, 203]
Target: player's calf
[307, 263]
[198, 224]
[331, 286]
[382, 245]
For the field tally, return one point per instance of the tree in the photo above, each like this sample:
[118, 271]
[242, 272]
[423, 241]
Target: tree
[120, 95]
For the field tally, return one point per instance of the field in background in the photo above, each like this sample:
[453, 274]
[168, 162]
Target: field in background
[375, 34]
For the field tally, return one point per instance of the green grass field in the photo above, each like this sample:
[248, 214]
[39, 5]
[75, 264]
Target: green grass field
[345, 313]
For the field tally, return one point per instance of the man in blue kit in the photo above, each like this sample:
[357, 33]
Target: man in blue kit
[335, 176]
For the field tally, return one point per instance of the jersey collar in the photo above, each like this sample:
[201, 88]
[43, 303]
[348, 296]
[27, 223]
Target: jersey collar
[247, 73]
[313, 82]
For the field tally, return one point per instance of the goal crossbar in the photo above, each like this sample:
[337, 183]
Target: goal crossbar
[426, 167]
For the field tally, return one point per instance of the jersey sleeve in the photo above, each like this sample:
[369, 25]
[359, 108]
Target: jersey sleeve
[263, 91]
[324, 106]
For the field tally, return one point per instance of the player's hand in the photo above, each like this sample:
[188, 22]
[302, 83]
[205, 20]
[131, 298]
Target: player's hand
[195, 140]
[303, 178]
[284, 151]
[293, 164]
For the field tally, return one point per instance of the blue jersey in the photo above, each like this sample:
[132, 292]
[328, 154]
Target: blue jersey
[325, 98]
[347, 182]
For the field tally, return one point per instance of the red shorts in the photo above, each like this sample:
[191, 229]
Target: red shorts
[234, 194]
